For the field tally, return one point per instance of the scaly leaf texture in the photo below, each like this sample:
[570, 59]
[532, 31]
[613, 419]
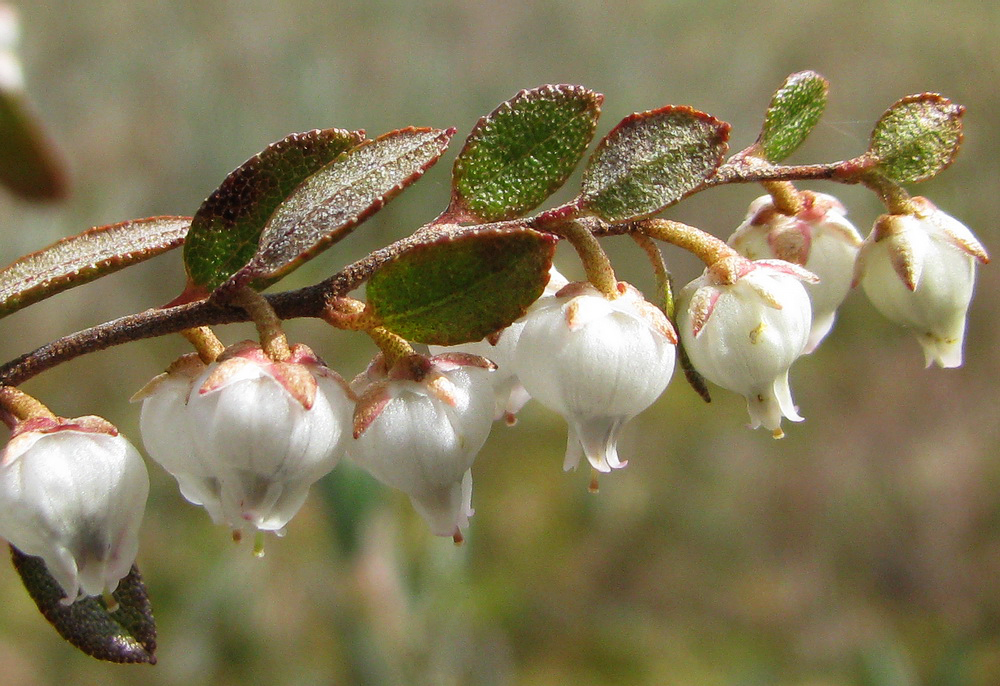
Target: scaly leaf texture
[917, 138]
[522, 152]
[125, 635]
[226, 230]
[461, 288]
[87, 256]
[794, 110]
[331, 202]
[650, 161]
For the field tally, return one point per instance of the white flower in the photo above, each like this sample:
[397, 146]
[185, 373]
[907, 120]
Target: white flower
[73, 492]
[499, 348]
[819, 238]
[597, 362]
[742, 324]
[247, 436]
[418, 428]
[919, 270]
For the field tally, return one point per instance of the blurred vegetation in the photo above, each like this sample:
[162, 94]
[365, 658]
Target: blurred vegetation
[862, 549]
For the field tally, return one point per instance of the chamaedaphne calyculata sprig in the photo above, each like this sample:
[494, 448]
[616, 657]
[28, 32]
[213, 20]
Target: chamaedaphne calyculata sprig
[258, 422]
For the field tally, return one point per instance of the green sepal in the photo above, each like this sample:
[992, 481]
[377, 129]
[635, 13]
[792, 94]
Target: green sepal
[917, 138]
[329, 204]
[125, 635]
[795, 109]
[87, 256]
[461, 287]
[522, 152]
[652, 160]
[226, 229]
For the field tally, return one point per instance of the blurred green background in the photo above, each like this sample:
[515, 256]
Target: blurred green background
[862, 549]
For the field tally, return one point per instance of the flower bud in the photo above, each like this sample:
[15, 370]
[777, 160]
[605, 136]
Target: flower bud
[597, 362]
[499, 348]
[418, 427]
[919, 271]
[819, 238]
[247, 436]
[73, 492]
[742, 324]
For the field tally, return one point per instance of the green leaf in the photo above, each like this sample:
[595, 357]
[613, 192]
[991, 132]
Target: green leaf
[87, 256]
[650, 161]
[337, 198]
[792, 114]
[522, 152]
[126, 634]
[917, 138]
[462, 287]
[226, 229]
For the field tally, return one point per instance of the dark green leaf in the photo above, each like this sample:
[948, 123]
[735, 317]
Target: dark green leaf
[127, 634]
[29, 164]
[792, 114]
[337, 198]
[226, 230]
[917, 137]
[87, 256]
[461, 288]
[652, 160]
[519, 154]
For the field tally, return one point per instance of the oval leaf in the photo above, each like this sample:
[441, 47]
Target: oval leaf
[917, 137]
[343, 194]
[522, 152]
[652, 160]
[125, 635]
[792, 114]
[463, 287]
[87, 256]
[226, 229]
[29, 164]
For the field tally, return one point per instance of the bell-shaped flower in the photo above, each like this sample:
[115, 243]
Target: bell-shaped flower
[499, 348]
[73, 492]
[247, 436]
[742, 325]
[418, 427]
[919, 270]
[819, 238]
[596, 361]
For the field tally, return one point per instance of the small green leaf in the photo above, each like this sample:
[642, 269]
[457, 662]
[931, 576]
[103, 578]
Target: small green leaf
[340, 196]
[650, 161]
[522, 152]
[126, 634]
[87, 256]
[462, 287]
[917, 138]
[226, 229]
[792, 114]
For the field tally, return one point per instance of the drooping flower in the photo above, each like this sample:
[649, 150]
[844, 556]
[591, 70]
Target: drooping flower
[743, 324]
[73, 492]
[499, 348]
[418, 427]
[257, 433]
[596, 361]
[820, 238]
[919, 270]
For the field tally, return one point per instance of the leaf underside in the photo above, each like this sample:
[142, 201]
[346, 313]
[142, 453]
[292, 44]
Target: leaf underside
[126, 635]
[87, 256]
[650, 161]
[226, 229]
[522, 152]
[461, 288]
[793, 112]
[331, 202]
[917, 138]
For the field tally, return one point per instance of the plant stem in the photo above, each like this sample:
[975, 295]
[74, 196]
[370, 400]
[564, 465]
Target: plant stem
[702, 244]
[784, 196]
[18, 406]
[595, 261]
[393, 347]
[205, 341]
[272, 337]
[659, 270]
